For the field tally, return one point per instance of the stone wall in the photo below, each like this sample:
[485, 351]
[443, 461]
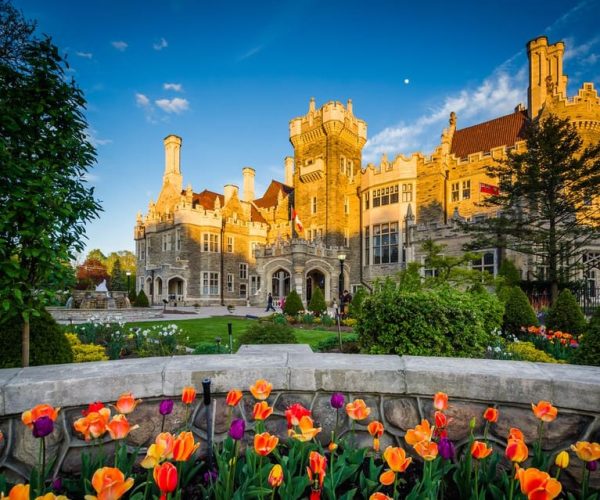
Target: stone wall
[398, 389]
[64, 315]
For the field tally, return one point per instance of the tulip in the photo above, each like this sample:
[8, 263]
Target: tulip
[592, 466]
[516, 451]
[165, 407]
[332, 447]
[441, 420]
[119, 427]
[515, 433]
[491, 415]
[261, 389]
[537, 484]
[234, 396]
[440, 401]
[160, 450]
[379, 496]
[42, 427]
[184, 447]
[110, 482]
[57, 483]
[126, 403]
[237, 428]
[50, 496]
[446, 449]
[210, 476]
[358, 410]
[261, 411]
[544, 411]
[562, 460]
[92, 407]
[421, 432]
[165, 477]
[188, 395]
[18, 492]
[265, 443]
[388, 477]
[317, 468]
[294, 413]
[375, 428]
[480, 450]
[588, 452]
[396, 459]
[337, 400]
[276, 476]
[427, 450]
[94, 425]
[307, 429]
[43, 410]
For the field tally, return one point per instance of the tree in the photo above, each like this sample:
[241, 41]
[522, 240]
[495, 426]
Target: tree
[44, 155]
[547, 205]
[90, 274]
[293, 304]
[97, 254]
[317, 302]
[117, 280]
[566, 315]
[518, 312]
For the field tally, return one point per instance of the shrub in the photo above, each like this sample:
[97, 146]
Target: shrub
[293, 304]
[526, 351]
[132, 296]
[517, 311]
[332, 343]
[510, 273]
[357, 301]
[83, 353]
[566, 315]
[306, 318]
[327, 320]
[47, 342]
[588, 352]
[317, 302]
[141, 300]
[349, 322]
[438, 322]
[268, 333]
[210, 348]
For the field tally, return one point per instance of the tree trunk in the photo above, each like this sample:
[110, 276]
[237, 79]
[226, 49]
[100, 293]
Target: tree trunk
[25, 343]
[553, 291]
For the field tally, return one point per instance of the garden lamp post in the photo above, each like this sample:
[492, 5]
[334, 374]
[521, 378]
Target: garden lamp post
[128, 273]
[341, 258]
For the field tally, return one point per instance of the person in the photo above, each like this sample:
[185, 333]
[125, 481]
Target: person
[270, 303]
[282, 303]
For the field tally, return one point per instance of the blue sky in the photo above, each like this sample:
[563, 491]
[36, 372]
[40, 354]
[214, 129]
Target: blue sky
[228, 76]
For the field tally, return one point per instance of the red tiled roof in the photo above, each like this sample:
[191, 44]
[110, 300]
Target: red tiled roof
[207, 199]
[255, 215]
[269, 199]
[502, 131]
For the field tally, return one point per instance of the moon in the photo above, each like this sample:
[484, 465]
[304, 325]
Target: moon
[406, 81]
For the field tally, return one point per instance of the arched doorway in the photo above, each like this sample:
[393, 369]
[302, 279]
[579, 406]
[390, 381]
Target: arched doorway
[176, 289]
[159, 288]
[314, 279]
[280, 284]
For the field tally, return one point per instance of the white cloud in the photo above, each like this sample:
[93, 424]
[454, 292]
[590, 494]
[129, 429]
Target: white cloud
[86, 55]
[175, 105]
[119, 45]
[141, 100]
[91, 178]
[177, 87]
[573, 51]
[252, 52]
[161, 44]
[92, 137]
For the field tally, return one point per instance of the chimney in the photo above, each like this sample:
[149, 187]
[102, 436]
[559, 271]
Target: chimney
[349, 106]
[248, 173]
[289, 171]
[228, 191]
[311, 105]
[172, 173]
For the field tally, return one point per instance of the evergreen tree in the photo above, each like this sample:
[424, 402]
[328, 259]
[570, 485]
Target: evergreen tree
[117, 278]
[566, 315]
[293, 304]
[510, 273]
[141, 300]
[517, 311]
[588, 352]
[317, 302]
[132, 296]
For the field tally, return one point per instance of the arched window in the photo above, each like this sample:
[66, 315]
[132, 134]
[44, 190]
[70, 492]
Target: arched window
[280, 283]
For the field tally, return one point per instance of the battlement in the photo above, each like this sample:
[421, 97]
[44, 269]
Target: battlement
[401, 167]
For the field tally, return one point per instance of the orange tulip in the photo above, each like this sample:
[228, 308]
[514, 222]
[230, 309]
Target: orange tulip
[43, 410]
[188, 395]
[375, 428]
[516, 451]
[332, 447]
[50, 496]
[317, 468]
[165, 477]
[160, 450]
[491, 415]
[94, 424]
[184, 447]
[307, 429]
[440, 401]
[294, 413]
[515, 433]
[126, 403]
[261, 389]
[275, 476]
[588, 452]
[427, 450]
[379, 496]
[396, 458]
[18, 492]
[480, 450]
[388, 477]
[261, 411]
[110, 484]
[234, 396]
[538, 485]
[265, 443]
[358, 410]
[421, 432]
[119, 427]
[544, 411]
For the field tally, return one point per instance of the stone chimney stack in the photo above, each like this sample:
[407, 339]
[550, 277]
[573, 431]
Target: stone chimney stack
[228, 191]
[289, 171]
[172, 173]
[248, 173]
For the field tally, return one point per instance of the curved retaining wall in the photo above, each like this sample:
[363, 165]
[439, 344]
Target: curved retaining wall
[65, 315]
[398, 389]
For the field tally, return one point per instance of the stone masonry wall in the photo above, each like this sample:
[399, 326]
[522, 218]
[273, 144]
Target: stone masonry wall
[398, 389]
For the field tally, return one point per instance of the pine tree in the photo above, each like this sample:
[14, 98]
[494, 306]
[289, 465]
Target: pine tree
[566, 315]
[117, 281]
[293, 304]
[517, 311]
[141, 300]
[317, 302]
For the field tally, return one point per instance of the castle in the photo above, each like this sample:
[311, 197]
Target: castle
[358, 222]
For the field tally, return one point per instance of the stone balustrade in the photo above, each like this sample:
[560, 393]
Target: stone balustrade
[398, 389]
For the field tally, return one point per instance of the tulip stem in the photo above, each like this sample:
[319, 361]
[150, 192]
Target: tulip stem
[395, 493]
[511, 491]
[584, 481]
[162, 425]
[331, 465]
[477, 479]
[147, 487]
[260, 475]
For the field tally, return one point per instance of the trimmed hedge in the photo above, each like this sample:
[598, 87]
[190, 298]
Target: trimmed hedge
[268, 333]
[588, 352]
[141, 300]
[317, 302]
[517, 311]
[566, 315]
[293, 304]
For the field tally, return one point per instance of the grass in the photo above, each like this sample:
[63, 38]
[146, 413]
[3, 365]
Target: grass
[200, 330]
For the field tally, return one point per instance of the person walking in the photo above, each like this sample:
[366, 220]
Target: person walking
[270, 303]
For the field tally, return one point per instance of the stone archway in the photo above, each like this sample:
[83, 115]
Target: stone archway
[176, 288]
[280, 283]
[314, 279]
[159, 288]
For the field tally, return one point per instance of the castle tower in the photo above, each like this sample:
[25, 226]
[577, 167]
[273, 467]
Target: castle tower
[172, 178]
[248, 174]
[545, 73]
[328, 146]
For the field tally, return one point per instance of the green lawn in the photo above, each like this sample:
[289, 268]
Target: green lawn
[207, 329]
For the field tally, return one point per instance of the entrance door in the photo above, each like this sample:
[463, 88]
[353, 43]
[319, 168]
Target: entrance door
[314, 279]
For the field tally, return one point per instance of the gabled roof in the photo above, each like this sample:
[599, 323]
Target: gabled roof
[269, 199]
[255, 215]
[502, 131]
[207, 199]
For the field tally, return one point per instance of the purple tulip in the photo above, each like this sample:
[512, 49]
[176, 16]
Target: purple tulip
[165, 407]
[42, 427]
[210, 476]
[236, 431]
[592, 466]
[57, 484]
[446, 449]
[337, 400]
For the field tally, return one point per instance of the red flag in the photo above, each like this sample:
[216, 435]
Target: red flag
[296, 220]
[489, 189]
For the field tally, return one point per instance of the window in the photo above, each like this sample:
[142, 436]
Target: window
[394, 194]
[346, 237]
[178, 239]
[313, 207]
[407, 193]
[141, 249]
[210, 242]
[455, 191]
[346, 205]
[367, 200]
[485, 263]
[254, 284]
[141, 283]
[253, 248]
[350, 169]
[367, 246]
[166, 242]
[243, 271]
[466, 190]
[243, 290]
[342, 165]
[210, 283]
[229, 244]
[385, 196]
[385, 243]
[230, 282]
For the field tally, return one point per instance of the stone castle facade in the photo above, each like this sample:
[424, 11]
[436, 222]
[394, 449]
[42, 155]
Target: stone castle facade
[360, 222]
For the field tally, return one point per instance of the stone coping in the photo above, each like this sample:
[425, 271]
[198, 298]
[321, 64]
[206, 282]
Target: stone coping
[566, 386]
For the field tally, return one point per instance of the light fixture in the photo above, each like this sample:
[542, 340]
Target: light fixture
[342, 257]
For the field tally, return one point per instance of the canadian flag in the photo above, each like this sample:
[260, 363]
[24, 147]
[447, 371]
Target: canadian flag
[296, 219]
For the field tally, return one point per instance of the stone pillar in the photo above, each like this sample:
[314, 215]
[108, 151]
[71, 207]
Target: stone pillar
[228, 191]
[248, 173]
[289, 171]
